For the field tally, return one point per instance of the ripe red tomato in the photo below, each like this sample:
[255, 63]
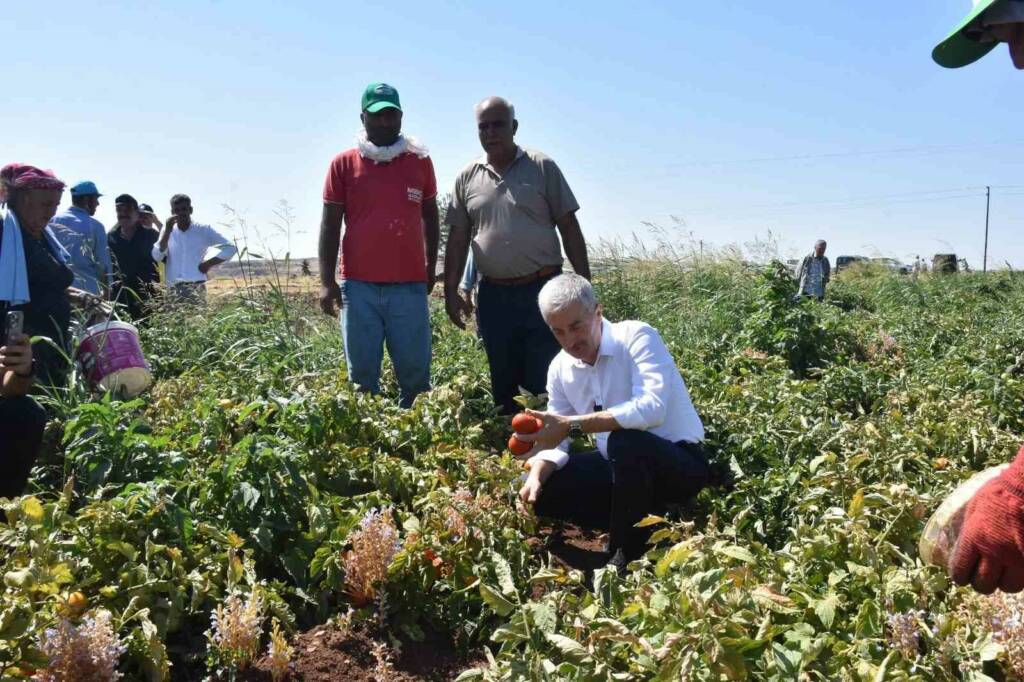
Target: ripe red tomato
[518, 447]
[525, 423]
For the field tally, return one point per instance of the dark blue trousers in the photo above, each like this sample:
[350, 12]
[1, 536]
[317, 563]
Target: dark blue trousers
[22, 421]
[518, 343]
[642, 475]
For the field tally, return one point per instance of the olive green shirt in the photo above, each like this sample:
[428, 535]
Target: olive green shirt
[512, 217]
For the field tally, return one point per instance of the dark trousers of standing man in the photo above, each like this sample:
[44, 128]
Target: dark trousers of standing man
[22, 421]
[642, 475]
[519, 345]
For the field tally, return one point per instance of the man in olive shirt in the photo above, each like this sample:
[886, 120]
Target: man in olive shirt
[511, 200]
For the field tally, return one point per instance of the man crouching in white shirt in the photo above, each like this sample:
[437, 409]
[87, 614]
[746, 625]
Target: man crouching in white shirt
[618, 382]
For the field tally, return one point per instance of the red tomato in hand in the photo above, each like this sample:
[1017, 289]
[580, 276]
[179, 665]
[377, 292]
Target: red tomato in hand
[525, 423]
[518, 447]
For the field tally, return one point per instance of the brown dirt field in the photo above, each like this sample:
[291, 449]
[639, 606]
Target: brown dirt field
[327, 654]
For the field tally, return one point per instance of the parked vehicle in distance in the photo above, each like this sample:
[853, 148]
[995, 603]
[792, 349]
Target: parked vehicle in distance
[893, 264]
[847, 261]
[945, 263]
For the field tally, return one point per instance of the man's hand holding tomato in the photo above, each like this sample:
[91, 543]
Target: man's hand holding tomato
[536, 431]
[553, 430]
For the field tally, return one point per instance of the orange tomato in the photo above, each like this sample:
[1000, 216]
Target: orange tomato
[78, 602]
[518, 447]
[525, 423]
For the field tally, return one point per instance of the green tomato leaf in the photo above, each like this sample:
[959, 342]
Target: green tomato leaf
[825, 609]
[569, 648]
[495, 600]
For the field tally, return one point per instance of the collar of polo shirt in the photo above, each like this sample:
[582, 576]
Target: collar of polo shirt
[482, 161]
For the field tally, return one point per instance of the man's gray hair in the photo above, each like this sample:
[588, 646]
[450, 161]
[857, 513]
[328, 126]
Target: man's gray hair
[821, 242]
[564, 290]
[491, 101]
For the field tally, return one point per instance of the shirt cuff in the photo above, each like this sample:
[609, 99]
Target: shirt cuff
[556, 457]
[627, 415]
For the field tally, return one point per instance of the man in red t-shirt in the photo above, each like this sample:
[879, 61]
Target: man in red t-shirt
[385, 191]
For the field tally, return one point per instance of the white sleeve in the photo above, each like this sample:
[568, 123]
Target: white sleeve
[652, 365]
[225, 249]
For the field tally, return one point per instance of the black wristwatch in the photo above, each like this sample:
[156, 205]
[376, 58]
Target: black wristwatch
[575, 429]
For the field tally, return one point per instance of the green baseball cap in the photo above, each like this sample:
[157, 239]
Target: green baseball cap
[378, 96]
[960, 48]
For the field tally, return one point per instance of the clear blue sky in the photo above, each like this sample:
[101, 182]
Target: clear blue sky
[799, 119]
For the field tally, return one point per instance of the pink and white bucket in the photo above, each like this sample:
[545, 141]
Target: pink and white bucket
[111, 359]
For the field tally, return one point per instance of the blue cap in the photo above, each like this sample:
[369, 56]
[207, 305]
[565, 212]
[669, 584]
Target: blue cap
[85, 188]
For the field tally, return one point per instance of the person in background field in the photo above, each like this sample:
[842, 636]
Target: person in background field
[131, 244]
[619, 382]
[85, 239]
[517, 202]
[148, 217]
[988, 24]
[814, 272]
[34, 273]
[185, 251]
[385, 191]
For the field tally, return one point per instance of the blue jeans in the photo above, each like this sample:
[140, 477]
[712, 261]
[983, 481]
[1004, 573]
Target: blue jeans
[373, 314]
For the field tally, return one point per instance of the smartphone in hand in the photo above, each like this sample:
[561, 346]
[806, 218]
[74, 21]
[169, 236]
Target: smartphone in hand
[14, 325]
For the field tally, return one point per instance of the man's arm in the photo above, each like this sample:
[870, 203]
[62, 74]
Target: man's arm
[827, 271]
[102, 251]
[555, 430]
[432, 233]
[225, 250]
[574, 244]
[159, 252]
[801, 268]
[330, 241]
[454, 263]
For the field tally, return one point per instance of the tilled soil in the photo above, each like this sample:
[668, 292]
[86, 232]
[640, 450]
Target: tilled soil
[327, 653]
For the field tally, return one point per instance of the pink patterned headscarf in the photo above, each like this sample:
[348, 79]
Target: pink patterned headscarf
[24, 176]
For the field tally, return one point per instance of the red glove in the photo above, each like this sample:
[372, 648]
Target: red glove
[990, 550]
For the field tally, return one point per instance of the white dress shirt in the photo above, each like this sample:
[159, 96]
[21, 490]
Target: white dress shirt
[186, 250]
[634, 378]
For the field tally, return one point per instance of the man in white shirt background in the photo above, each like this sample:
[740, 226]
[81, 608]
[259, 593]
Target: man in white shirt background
[185, 251]
[619, 382]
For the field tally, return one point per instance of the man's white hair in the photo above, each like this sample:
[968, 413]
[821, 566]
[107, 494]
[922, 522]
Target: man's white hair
[564, 290]
[491, 101]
